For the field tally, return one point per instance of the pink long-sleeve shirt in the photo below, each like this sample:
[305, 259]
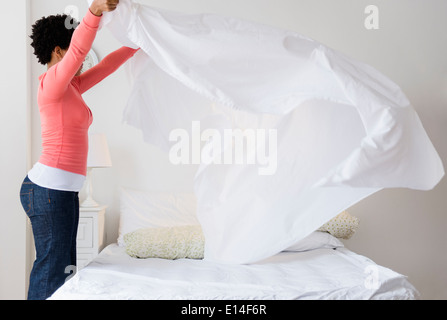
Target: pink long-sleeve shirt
[65, 117]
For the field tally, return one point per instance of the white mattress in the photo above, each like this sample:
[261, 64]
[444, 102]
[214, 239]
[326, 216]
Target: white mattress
[317, 274]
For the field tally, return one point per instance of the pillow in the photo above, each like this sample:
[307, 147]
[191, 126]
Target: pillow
[188, 242]
[316, 240]
[143, 209]
[342, 226]
[166, 243]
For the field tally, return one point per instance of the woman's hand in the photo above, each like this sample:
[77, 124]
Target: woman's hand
[99, 6]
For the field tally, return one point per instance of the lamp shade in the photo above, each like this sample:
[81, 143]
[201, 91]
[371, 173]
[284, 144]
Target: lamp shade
[98, 151]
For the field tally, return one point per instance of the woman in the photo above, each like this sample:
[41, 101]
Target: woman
[49, 193]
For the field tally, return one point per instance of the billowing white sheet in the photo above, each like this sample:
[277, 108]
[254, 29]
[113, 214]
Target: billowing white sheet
[340, 129]
[317, 274]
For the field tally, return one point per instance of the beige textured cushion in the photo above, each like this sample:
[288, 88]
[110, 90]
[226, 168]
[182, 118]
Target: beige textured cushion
[342, 226]
[166, 243]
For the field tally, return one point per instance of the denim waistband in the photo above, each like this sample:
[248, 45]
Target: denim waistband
[29, 182]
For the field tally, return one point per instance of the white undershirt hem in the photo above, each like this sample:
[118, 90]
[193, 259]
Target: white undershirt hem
[54, 178]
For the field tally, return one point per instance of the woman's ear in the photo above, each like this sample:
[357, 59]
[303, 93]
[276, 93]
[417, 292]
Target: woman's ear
[59, 52]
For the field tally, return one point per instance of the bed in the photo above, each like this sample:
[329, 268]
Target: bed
[315, 268]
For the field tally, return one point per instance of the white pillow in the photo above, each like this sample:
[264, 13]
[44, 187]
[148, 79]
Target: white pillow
[188, 242]
[152, 209]
[147, 209]
[316, 240]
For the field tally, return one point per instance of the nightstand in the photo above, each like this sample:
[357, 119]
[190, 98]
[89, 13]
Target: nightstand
[91, 235]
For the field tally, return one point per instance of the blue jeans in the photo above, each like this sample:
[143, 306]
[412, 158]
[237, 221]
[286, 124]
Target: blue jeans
[54, 216]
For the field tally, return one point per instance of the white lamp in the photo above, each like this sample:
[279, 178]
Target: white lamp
[98, 157]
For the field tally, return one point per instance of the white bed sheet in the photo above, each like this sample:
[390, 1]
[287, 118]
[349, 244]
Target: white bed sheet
[341, 130]
[316, 274]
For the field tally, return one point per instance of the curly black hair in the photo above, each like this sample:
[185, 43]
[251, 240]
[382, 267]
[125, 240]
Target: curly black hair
[50, 32]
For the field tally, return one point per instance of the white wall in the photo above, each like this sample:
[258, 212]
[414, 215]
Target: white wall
[401, 229]
[14, 148]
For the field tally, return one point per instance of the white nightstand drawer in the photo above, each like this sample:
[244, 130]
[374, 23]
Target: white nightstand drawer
[85, 233]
